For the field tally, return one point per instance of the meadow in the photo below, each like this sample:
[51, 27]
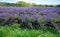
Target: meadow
[29, 22]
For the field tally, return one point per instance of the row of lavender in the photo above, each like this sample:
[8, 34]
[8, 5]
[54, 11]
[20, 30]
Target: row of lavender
[30, 17]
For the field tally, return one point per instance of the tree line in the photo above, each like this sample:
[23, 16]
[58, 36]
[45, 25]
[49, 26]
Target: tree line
[25, 4]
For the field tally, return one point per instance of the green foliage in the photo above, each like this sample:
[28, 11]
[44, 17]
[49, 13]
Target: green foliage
[15, 31]
[22, 4]
[55, 19]
[58, 5]
[30, 19]
[42, 23]
[33, 4]
[17, 17]
[41, 20]
[25, 13]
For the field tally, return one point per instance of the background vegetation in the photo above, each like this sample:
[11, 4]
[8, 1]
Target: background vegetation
[25, 4]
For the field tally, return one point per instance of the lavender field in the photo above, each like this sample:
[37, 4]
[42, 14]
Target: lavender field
[30, 18]
[29, 15]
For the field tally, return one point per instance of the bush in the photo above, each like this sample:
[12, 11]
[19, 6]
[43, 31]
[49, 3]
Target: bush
[30, 19]
[56, 20]
[10, 20]
[42, 22]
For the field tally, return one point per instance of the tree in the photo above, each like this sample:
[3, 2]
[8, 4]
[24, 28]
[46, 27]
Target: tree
[58, 5]
[22, 4]
[33, 5]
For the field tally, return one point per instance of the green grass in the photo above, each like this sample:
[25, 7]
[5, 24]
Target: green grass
[15, 31]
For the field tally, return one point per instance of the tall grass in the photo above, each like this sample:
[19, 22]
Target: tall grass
[15, 31]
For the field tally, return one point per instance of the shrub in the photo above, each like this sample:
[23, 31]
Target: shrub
[30, 19]
[56, 20]
[10, 20]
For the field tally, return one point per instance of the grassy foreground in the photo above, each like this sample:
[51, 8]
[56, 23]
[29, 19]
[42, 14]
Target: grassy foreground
[15, 31]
